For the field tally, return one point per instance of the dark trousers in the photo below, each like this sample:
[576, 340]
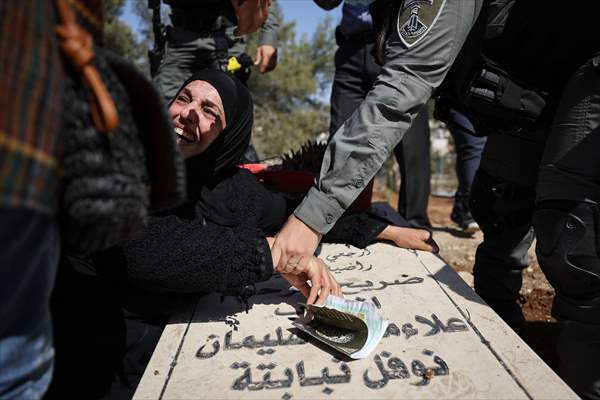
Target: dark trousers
[28, 261]
[101, 349]
[355, 72]
[468, 152]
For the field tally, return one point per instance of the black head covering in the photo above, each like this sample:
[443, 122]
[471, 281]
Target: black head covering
[207, 170]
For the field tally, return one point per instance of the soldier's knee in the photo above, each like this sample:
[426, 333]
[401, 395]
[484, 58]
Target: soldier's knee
[499, 206]
[567, 250]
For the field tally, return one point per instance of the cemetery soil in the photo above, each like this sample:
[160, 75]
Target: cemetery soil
[458, 250]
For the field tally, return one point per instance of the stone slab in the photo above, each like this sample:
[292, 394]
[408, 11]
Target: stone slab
[443, 342]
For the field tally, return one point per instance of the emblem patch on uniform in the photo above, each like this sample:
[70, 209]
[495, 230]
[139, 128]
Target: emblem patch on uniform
[416, 18]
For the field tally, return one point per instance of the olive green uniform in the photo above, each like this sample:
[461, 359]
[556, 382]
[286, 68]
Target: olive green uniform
[192, 41]
[413, 68]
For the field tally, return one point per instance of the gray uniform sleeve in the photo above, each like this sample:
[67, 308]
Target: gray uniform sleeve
[268, 31]
[405, 83]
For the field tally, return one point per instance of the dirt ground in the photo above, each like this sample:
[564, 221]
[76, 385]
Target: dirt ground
[458, 249]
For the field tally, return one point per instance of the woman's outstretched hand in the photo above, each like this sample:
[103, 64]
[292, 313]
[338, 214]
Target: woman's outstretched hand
[308, 274]
[314, 280]
[410, 238]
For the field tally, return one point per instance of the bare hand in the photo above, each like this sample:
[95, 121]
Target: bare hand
[294, 244]
[251, 14]
[266, 57]
[322, 283]
[410, 238]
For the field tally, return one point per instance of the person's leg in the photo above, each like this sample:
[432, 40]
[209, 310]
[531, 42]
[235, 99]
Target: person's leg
[141, 340]
[349, 79]
[567, 224]
[502, 203]
[503, 211]
[237, 49]
[413, 154]
[28, 260]
[89, 333]
[468, 154]
[171, 73]
[185, 53]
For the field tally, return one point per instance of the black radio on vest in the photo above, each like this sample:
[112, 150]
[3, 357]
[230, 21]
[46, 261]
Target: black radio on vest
[515, 63]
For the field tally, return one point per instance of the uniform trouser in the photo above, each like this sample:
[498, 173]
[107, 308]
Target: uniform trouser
[28, 261]
[502, 202]
[565, 216]
[188, 52]
[355, 72]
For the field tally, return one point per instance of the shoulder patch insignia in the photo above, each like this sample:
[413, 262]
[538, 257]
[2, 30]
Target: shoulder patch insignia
[416, 18]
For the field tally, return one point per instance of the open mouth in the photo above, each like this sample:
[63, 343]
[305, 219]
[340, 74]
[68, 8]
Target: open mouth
[181, 134]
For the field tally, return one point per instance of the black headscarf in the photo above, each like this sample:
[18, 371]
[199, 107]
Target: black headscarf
[219, 161]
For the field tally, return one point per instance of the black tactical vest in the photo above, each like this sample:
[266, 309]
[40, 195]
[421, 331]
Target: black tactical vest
[516, 61]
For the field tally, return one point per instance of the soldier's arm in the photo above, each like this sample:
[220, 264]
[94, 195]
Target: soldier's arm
[406, 82]
[268, 31]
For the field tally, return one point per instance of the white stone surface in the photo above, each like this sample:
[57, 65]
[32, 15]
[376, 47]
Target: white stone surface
[439, 324]
[468, 278]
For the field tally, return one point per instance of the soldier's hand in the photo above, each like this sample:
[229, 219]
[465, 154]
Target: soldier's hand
[251, 14]
[266, 58]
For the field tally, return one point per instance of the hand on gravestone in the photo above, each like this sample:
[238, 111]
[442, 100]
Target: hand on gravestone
[313, 279]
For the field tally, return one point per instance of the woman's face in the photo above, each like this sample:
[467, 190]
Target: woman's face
[198, 115]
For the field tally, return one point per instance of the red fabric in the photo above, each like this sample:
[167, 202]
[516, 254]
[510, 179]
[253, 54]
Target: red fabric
[297, 182]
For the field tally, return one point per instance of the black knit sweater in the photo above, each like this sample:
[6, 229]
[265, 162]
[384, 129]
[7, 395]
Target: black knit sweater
[184, 252]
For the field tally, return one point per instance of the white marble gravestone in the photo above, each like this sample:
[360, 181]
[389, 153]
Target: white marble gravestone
[443, 342]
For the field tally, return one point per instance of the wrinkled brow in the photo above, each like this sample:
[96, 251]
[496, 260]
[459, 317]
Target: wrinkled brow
[203, 101]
